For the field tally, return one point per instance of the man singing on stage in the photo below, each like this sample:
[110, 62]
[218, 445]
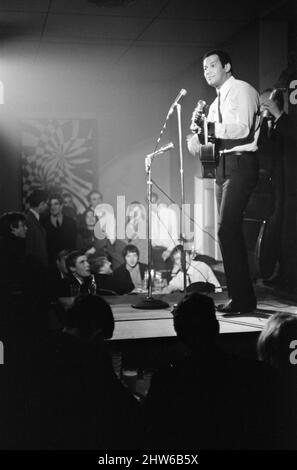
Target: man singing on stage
[233, 121]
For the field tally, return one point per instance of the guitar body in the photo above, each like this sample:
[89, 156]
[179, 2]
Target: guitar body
[209, 160]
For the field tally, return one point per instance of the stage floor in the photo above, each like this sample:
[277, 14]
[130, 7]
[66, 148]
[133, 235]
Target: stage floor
[133, 323]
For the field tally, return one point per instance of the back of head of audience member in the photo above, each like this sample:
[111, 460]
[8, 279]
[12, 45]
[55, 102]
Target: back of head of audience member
[195, 322]
[38, 200]
[13, 224]
[100, 265]
[278, 340]
[90, 317]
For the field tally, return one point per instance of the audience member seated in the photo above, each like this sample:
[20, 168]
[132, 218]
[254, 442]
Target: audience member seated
[130, 274]
[277, 346]
[69, 208]
[60, 229]
[196, 272]
[96, 242]
[90, 408]
[36, 234]
[80, 279]
[86, 239]
[102, 271]
[210, 399]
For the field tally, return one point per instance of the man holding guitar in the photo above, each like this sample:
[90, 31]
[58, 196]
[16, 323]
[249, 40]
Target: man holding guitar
[233, 123]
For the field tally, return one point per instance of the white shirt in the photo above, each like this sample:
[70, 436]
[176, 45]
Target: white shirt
[239, 105]
[164, 226]
[197, 271]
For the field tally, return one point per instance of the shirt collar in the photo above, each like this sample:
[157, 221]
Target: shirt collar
[226, 87]
[136, 267]
[35, 213]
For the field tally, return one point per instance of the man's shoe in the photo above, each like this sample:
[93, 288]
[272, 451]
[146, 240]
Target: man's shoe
[229, 309]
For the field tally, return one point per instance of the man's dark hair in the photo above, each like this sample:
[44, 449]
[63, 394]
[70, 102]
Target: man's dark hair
[275, 339]
[89, 314]
[195, 321]
[278, 96]
[56, 196]
[36, 197]
[72, 257]
[130, 249]
[8, 220]
[66, 194]
[97, 263]
[61, 254]
[178, 249]
[222, 55]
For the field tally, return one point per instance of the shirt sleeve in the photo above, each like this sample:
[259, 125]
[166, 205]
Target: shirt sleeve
[239, 117]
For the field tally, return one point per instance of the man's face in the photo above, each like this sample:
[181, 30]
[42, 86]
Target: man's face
[95, 199]
[82, 267]
[55, 207]
[131, 259]
[215, 74]
[19, 231]
[106, 268]
[67, 201]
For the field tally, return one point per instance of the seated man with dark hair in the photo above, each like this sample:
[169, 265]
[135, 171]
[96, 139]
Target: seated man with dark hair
[209, 399]
[80, 280]
[129, 276]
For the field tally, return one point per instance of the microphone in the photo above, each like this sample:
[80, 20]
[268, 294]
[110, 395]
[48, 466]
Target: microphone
[161, 150]
[182, 93]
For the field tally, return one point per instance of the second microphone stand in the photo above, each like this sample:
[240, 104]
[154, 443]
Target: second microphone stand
[150, 303]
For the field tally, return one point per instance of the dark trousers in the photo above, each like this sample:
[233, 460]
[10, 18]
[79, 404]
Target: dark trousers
[236, 178]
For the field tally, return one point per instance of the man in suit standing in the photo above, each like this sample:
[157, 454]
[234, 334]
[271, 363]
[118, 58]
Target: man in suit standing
[61, 231]
[36, 235]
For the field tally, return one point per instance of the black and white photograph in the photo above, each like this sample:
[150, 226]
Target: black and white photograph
[148, 229]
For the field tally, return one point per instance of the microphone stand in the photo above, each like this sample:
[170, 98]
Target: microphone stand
[182, 188]
[150, 303]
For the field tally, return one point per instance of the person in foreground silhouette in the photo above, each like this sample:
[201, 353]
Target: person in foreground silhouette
[209, 399]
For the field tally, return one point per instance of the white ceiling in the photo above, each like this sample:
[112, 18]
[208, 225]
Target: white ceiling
[145, 39]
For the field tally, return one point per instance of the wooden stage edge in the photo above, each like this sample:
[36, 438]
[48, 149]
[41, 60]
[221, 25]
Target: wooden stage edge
[131, 323]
